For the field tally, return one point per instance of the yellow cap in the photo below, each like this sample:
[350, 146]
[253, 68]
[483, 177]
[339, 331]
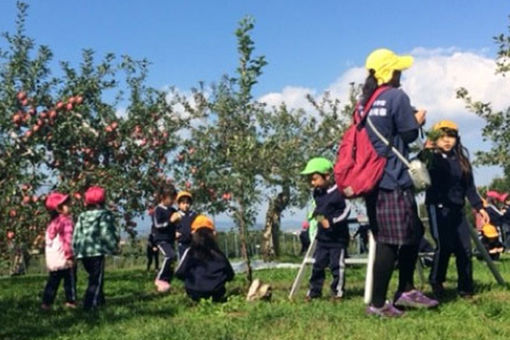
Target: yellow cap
[384, 62]
[489, 231]
[202, 221]
[445, 124]
[182, 194]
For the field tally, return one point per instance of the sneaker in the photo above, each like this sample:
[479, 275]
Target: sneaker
[416, 299]
[162, 286]
[388, 311]
[71, 305]
[437, 290]
[465, 295]
[45, 307]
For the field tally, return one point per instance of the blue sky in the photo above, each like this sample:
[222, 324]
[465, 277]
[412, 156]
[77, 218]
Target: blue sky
[306, 42]
[311, 46]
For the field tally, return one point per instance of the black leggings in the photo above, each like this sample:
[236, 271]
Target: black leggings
[385, 258]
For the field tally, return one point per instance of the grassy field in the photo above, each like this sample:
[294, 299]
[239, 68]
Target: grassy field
[135, 311]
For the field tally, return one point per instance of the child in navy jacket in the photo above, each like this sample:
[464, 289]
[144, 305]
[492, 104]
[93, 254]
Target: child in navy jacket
[203, 267]
[184, 200]
[331, 211]
[452, 182]
[164, 226]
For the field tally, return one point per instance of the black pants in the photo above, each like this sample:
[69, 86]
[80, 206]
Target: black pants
[94, 295]
[334, 258]
[450, 231]
[216, 295]
[152, 254]
[50, 291]
[182, 248]
[385, 257]
[166, 272]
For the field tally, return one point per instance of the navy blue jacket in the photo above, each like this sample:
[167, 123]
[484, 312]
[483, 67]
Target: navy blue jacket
[204, 275]
[184, 226]
[162, 229]
[331, 204]
[449, 186]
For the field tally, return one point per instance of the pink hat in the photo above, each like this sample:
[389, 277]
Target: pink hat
[503, 196]
[94, 195]
[305, 225]
[55, 199]
[493, 194]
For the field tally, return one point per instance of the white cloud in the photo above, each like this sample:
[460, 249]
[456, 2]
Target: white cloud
[431, 84]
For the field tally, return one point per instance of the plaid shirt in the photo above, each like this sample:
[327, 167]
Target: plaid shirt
[95, 234]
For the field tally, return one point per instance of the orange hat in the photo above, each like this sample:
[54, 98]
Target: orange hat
[182, 194]
[94, 195]
[202, 221]
[445, 124]
[489, 231]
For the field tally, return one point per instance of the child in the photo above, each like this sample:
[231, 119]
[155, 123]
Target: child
[95, 236]
[452, 181]
[152, 252]
[304, 237]
[183, 234]
[59, 252]
[203, 267]
[164, 225]
[331, 213]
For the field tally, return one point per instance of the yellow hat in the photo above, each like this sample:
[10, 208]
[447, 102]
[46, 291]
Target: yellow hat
[384, 62]
[445, 124]
[182, 194]
[489, 230]
[202, 221]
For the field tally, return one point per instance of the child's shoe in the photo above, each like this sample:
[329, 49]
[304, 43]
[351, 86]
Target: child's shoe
[45, 307]
[388, 311]
[437, 290]
[71, 305]
[416, 299]
[465, 295]
[162, 286]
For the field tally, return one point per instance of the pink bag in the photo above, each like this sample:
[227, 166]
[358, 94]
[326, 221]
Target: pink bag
[55, 257]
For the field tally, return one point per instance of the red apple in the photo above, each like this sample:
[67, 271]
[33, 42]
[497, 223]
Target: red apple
[25, 187]
[16, 118]
[69, 106]
[188, 185]
[21, 95]
[26, 199]
[24, 102]
[10, 235]
[36, 128]
[191, 151]
[13, 213]
[78, 100]
[28, 133]
[43, 114]
[114, 125]
[71, 100]
[52, 114]
[32, 111]
[35, 198]
[59, 105]
[108, 129]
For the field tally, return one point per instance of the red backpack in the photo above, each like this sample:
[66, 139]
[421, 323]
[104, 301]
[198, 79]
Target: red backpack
[358, 167]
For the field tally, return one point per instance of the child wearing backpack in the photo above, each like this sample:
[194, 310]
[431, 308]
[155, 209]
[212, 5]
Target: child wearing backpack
[452, 181]
[183, 235]
[95, 236]
[331, 212]
[164, 224]
[59, 251]
[391, 206]
[203, 267]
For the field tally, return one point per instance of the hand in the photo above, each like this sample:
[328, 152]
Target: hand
[178, 235]
[176, 217]
[429, 144]
[485, 216]
[420, 116]
[154, 248]
[69, 263]
[325, 223]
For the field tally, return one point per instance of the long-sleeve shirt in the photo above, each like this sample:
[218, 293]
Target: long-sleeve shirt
[330, 204]
[184, 226]
[163, 229]
[62, 226]
[204, 275]
[95, 234]
[449, 185]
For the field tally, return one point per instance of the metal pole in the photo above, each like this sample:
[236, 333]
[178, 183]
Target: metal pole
[369, 280]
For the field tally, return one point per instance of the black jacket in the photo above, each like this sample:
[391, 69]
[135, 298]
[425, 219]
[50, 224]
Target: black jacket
[449, 186]
[331, 204]
[162, 229]
[184, 226]
[204, 275]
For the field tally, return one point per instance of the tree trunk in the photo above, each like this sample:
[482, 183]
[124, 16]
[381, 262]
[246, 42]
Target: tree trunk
[243, 240]
[271, 243]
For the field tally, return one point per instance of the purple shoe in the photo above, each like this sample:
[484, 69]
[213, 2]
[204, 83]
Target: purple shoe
[388, 311]
[416, 299]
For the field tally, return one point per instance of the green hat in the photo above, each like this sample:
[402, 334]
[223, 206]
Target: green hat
[320, 165]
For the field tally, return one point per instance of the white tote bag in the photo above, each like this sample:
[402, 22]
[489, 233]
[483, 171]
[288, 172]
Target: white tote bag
[54, 250]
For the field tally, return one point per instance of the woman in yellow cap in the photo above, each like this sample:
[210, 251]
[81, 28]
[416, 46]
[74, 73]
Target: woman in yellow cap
[391, 206]
[452, 181]
[203, 267]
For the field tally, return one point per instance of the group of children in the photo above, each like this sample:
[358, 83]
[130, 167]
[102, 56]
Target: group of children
[203, 267]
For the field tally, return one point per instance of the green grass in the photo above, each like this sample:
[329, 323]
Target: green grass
[135, 311]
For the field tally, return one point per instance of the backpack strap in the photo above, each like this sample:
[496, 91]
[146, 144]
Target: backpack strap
[370, 102]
